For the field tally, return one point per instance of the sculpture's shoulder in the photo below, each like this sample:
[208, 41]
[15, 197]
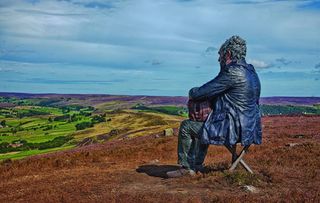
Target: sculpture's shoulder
[235, 70]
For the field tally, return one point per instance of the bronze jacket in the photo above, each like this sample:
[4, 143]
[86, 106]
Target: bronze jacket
[236, 114]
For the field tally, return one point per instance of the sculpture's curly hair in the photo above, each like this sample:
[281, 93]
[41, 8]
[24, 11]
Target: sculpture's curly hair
[236, 45]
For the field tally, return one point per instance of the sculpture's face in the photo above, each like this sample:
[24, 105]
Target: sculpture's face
[221, 60]
[224, 59]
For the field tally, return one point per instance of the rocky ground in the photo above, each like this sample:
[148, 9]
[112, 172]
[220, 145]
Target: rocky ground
[286, 166]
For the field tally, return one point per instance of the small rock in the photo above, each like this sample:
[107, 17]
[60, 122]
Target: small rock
[86, 141]
[154, 161]
[292, 144]
[298, 136]
[168, 132]
[103, 137]
[114, 132]
[250, 188]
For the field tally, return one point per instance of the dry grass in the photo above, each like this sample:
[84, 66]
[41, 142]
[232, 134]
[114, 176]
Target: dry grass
[107, 172]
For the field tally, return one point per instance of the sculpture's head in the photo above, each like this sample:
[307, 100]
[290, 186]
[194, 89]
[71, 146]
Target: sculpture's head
[234, 48]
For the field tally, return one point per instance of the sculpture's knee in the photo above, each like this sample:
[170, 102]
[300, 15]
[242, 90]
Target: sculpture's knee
[184, 131]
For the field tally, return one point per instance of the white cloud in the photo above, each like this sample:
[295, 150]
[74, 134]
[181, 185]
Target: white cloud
[258, 64]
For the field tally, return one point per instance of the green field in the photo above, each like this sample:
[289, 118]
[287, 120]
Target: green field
[289, 110]
[27, 129]
[171, 110]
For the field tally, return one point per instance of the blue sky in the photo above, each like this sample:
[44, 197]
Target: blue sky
[155, 47]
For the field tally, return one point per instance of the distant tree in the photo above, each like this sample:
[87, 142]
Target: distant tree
[83, 125]
[50, 119]
[48, 127]
[65, 110]
[98, 119]
[3, 123]
[62, 118]
[84, 113]
[73, 118]
[13, 130]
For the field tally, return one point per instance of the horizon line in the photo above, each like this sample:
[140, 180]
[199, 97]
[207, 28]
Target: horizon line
[106, 94]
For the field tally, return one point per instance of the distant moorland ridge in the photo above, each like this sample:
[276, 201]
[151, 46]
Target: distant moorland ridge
[156, 100]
